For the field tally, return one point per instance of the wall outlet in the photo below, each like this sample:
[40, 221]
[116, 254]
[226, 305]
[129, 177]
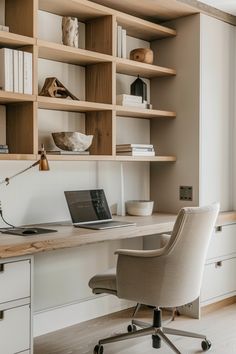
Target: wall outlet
[186, 193]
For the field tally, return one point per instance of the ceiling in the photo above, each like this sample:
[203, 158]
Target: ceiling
[228, 6]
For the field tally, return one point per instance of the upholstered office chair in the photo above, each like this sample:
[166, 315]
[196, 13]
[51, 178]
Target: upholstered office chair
[166, 277]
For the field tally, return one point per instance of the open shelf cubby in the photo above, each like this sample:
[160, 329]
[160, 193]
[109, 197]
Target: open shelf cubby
[98, 65]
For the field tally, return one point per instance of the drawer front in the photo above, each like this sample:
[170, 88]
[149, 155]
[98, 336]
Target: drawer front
[223, 242]
[15, 330]
[219, 278]
[14, 280]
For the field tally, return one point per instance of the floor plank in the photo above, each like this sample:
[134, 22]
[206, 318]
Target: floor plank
[219, 326]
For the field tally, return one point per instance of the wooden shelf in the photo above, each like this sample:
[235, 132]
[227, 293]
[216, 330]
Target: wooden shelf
[66, 54]
[110, 158]
[136, 27]
[30, 157]
[122, 111]
[60, 104]
[15, 40]
[146, 158]
[82, 9]
[12, 97]
[134, 68]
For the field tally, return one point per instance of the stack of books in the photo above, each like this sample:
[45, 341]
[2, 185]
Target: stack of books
[4, 149]
[131, 101]
[135, 150]
[121, 50]
[16, 71]
[4, 28]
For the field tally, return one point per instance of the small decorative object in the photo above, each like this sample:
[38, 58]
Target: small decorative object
[54, 88]
[145, 55]
[139, 88]
[72, 141]
[70, 31]
[139, 207]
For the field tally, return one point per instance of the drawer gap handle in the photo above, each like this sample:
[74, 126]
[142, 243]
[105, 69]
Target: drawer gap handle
[218, 264]
[1, 315]
[218, 229]
[1, 267]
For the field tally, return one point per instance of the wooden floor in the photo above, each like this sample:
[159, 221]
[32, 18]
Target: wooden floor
[219, 326]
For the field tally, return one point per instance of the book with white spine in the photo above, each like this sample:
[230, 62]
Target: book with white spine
[15, 71]
[28, 77]
[123, 43]
[6, 69]
[123, 98]
[139, 146]
[20, 71]
[119, 41]
[136, 153]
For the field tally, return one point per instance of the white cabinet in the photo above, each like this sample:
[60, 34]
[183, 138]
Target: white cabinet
[15, 329]
[15, 306]
[219, 279]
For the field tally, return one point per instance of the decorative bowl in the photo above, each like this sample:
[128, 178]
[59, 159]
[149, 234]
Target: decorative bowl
[72, 141]
[139, 207]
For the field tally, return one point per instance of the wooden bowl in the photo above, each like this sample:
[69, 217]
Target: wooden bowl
[144, 55]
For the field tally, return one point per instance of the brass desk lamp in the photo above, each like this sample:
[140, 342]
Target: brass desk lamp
[25, 231]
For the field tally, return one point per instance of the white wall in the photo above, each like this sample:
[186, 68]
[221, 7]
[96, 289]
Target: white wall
[217, 80]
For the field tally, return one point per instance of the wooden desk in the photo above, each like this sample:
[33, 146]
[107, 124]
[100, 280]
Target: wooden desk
[69, 236]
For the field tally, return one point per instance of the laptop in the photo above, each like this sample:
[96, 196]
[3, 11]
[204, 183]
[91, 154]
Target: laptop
[89, 209]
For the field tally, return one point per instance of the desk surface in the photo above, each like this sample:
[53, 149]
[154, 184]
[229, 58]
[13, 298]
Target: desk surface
[69, 236]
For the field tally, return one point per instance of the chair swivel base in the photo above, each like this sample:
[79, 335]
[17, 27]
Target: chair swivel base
[156, 330]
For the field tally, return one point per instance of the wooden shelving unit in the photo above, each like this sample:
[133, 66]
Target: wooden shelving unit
[101, 66]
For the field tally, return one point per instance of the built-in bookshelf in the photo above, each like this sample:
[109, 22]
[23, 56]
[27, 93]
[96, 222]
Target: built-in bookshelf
[101, 67]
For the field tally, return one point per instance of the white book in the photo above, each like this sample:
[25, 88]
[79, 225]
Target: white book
[144, 146]
[4, 28]
[20, 71]
[6, 69]
[119, 39]
[134, 105]
[28, 73]
[136, 153]
[15, 71]
[123, 43]
[128, 98]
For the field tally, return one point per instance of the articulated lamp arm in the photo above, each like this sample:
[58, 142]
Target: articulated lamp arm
[43, 166]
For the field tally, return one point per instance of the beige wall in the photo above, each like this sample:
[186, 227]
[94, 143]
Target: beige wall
[180, 136]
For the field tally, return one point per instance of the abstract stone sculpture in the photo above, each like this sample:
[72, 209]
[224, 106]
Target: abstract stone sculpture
[70, 31]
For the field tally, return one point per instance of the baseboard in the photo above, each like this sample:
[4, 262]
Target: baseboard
[68, 315]
[217, 305]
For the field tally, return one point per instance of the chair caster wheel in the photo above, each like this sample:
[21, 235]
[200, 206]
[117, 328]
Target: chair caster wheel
[98, 349]
[156, 342]
[206, 345]
[131, 328]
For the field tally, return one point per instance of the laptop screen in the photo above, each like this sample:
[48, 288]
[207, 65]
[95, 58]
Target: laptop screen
[88, 205]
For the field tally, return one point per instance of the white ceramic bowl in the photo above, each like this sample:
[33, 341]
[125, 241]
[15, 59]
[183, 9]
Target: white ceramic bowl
[139, 207]
[72, 141]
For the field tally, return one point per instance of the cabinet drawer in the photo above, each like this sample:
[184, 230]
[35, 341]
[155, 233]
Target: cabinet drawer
[15, 330]
[14, 280]
[219, 278]
[223, 242]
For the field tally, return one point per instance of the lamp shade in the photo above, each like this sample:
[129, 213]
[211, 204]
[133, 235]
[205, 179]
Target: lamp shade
[43, 161]
[139, 88]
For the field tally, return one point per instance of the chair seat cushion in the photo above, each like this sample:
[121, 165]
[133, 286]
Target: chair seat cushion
[104, 282]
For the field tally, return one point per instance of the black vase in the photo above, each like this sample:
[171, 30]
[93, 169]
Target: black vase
[139, 88]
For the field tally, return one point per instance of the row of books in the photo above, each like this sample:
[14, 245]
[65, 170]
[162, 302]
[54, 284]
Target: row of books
[4, 28]
[121, 50]
[16, 71]
[4, 149]
[131, 100]
[135, 150]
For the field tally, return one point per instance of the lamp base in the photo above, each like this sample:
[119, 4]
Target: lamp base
[27, 231]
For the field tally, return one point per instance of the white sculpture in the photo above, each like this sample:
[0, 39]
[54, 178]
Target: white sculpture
[70, 31]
